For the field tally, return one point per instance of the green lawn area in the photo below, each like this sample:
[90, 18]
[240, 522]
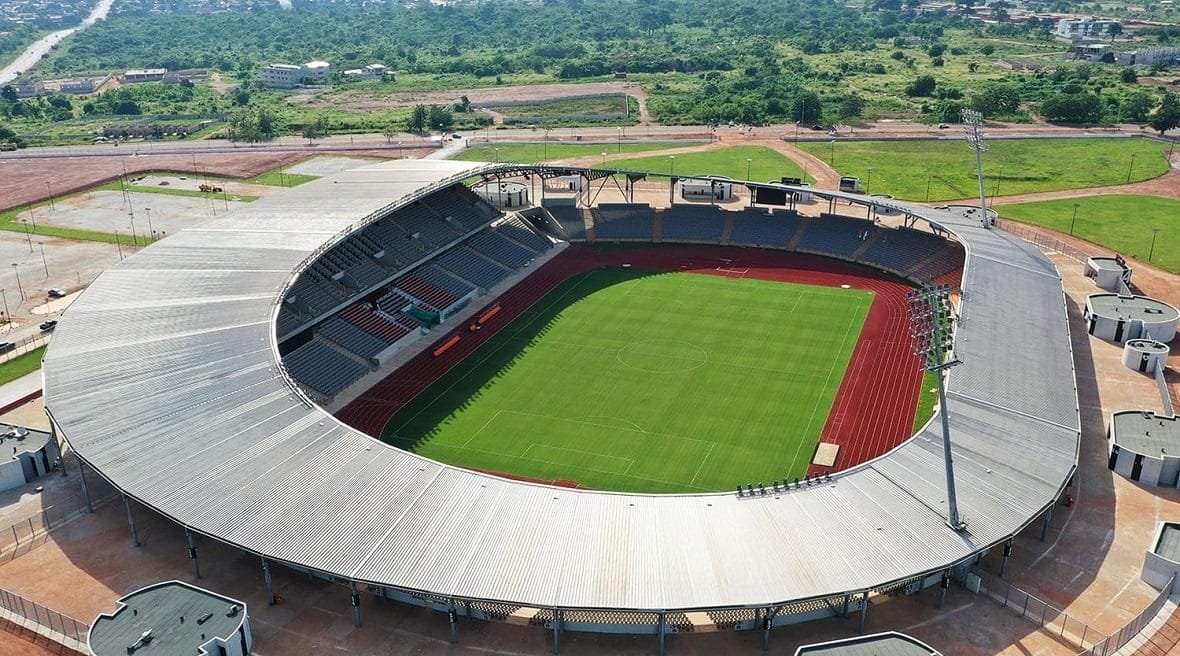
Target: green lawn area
[632, 380]
[763, 164]
[168, 191]
[280, 178]
[546, 151]
[21, 365]
[1121, 222]
[1011, 166]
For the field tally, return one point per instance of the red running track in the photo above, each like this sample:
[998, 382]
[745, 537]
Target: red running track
[874, 408]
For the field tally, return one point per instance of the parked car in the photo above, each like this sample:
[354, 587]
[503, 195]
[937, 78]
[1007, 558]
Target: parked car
[818, 126]
[47, 326]
[5, 347]
[56, 293]
[943, 126]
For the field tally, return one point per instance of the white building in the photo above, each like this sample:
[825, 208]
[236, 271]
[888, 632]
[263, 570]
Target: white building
[1086, 27]
[282, 76]
[316, 71]
[144, 75]
[370, 72]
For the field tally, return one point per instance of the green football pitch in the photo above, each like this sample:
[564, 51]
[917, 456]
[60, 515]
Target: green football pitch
[640, 381]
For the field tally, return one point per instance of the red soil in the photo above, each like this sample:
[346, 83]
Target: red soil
[874, 407]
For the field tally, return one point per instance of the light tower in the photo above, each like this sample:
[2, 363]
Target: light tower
[932, 322]
[974, 123]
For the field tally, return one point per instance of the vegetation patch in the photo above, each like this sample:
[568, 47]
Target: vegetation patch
[945, 169]
[548, 151]
[1124, 223]
[739, 162]
[22, 365]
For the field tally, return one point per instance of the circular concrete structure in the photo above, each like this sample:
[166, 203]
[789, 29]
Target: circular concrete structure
[165, 378]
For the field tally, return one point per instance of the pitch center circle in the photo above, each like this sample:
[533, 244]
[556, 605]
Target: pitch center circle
[662, 356]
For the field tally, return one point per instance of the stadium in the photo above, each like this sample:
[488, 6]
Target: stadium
[194, 378]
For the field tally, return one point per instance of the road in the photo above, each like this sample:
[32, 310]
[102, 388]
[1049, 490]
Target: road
[33, 54]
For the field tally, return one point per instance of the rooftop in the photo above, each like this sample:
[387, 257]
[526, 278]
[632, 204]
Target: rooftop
[1146, 433]
[879, 644]
[1169, 542]
[180, 617]
[1143, 308]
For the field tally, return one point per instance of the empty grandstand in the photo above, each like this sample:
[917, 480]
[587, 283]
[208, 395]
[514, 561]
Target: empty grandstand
[283, 480]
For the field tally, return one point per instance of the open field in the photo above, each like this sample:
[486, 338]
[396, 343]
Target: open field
[545, 151]
[945, 169]
[1121, 222]
[631, 380]
[760, 162]
[25, 363]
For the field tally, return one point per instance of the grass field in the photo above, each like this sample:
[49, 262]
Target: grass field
[1121, 222]
[1011, 166]
[544, 151]
[280, 178]
[631, 380]
[764, 164]
[21, 365]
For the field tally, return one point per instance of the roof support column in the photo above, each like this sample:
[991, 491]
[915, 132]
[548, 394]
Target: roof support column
[844, 610]
[355, 599]
[270, 591]
[944, 584]
[767, 623]
[557, 621]
[192, 551]
[1045, 526]
[1007, 555]
[85, 487]
[864, 610]
[663, 630]
[453, 618]
[131, 520]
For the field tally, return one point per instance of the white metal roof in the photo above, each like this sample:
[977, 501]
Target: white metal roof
[164, 376]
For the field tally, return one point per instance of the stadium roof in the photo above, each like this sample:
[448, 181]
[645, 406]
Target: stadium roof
[165, 377]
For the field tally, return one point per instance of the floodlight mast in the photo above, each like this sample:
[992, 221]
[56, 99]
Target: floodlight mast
[975, 140]
[932, 321]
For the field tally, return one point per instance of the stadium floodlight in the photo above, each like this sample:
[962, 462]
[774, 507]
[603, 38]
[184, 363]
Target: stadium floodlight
[932, 323]
[975, 140]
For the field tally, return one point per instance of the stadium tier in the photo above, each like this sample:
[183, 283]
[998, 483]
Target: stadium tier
[624, 221]
[757, 228]
[281, 479]
[688, 223]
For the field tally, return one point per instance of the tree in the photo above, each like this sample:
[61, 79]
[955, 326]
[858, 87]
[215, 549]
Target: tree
[390, 132]
[850, 107]
[972, 67]
[936, 50]
[922, 86]
[315, 129]
[1167, 115]
[440, 117]
[8, 93]
[418, 120]
[996, 99]
[987, 49]
[126, 107]
[1135, 106]
[1082, 107]
[1129, 75]
[806, 106]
